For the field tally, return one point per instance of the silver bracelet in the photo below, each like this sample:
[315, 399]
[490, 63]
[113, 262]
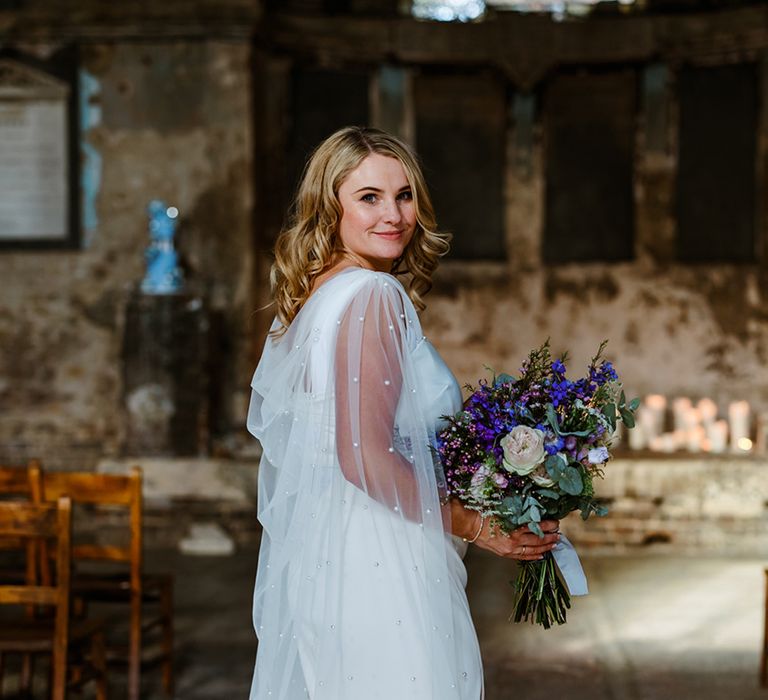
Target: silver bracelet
[480, 529]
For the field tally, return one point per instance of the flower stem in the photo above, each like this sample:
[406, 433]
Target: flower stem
[541, 596]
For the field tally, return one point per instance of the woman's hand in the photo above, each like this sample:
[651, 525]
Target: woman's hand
[521, 544]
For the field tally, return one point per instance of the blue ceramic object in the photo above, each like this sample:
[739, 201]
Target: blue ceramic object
[163, 276]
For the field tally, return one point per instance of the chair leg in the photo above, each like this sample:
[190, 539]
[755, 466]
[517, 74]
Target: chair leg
[99, 661]
[134, 652]
[25, 680]
[166, 611]
[59, 674]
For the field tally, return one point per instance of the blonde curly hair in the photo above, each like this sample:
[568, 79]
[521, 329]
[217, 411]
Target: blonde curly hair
[308, 245]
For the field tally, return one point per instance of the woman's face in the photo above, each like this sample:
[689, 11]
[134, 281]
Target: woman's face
[379, 216]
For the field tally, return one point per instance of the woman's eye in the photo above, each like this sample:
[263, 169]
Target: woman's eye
[370, 197]
[407, 196]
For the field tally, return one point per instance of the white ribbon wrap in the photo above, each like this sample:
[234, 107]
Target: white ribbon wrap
[570, 567]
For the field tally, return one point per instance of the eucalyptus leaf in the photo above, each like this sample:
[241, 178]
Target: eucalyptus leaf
[576, 433]
[634, 404]
[503, 378]
[609, 411]
[536, 529]
[549, 493]
[627, 418]
[513, 504]
[555, 464]
[570, 481]
[552, 418]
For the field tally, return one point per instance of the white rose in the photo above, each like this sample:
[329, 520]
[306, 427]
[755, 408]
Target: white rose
[523, 449]
[541, 477]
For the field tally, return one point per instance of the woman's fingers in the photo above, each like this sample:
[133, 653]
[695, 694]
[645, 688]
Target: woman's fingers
[524, 536]
[522, 544]
[532, 540]
[550, 525]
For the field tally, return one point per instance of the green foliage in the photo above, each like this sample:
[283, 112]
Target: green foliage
[570, 481]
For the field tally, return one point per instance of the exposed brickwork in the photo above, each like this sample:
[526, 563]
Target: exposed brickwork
[716, 504]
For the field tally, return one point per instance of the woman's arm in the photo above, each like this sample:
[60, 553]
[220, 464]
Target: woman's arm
[369, 367]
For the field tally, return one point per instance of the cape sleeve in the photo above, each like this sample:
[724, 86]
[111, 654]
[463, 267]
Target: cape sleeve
[378, 426]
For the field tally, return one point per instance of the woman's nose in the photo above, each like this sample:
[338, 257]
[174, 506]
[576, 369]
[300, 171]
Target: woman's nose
[392, 212]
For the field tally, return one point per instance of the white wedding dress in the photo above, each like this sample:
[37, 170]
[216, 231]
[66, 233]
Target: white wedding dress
[360, 589]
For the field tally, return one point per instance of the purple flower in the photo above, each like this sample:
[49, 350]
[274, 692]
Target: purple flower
[501, 481]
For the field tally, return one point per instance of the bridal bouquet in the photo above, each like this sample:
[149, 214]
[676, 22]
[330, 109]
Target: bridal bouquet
[529, 448]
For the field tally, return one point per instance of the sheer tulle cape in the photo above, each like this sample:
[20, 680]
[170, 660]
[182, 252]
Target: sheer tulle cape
[359, 590]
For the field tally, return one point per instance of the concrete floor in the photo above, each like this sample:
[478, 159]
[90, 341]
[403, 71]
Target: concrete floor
[654, 627]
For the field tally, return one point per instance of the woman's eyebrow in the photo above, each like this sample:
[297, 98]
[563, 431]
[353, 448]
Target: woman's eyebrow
[376, 189]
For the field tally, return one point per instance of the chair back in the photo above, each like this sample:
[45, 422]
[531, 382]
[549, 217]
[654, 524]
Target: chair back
[104, 490]
[37, 522]
[21, 483]
[24, 484]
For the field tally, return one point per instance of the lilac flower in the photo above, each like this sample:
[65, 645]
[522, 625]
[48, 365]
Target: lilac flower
[501, 481]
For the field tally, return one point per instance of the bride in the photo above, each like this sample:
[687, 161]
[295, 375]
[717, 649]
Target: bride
[360, 585]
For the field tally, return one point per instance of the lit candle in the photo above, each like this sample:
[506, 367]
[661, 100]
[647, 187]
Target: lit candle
[692, 419]
[655, 408]
[618, 435]
[707, 410]
[636, 437]
[717, 433]
[680, 407]
[738, 418]
[696, 437]
[666, 442]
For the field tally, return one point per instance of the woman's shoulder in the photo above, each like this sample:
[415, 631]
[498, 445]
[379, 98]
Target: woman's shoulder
[353, 290]
[342, 287]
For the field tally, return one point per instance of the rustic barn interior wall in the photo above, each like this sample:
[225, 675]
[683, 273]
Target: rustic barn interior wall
[582, 205]
[165, 114]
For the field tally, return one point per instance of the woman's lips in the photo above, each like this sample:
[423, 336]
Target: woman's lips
[389, 234]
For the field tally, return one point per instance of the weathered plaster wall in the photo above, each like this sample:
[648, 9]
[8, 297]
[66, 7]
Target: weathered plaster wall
[171, 116]
[693, 332]
[167, 119]
[691, 329]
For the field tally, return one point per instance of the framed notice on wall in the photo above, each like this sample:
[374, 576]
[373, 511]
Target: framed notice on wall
[38, 154]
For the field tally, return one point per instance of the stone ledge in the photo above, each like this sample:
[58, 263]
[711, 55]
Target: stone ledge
[170, 479]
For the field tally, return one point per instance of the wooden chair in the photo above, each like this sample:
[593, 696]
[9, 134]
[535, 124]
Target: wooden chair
[21, 483]
[55, 635]
[129, 587]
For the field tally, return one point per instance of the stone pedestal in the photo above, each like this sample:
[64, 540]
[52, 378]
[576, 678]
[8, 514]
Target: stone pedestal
[166, 375]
